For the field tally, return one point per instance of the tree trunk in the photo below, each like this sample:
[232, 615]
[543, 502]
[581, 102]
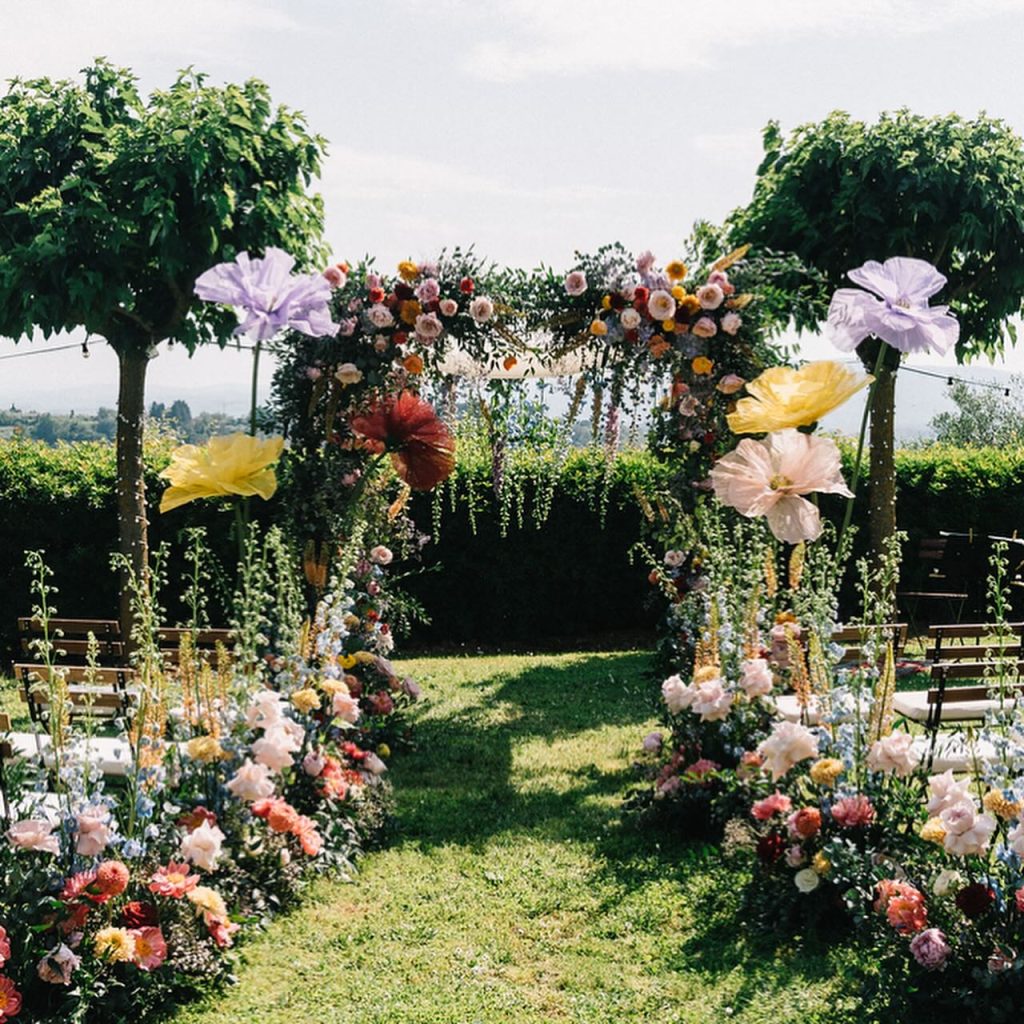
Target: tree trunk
[882, 469]
[133, 359]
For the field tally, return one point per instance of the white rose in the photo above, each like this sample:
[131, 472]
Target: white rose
[346, 707]
[1016, 839]
[629, 318]
[893, 753]
[967, 832]
[947, 792]
[945, 881]
[676, 694]
[788, 744]
[348, 373]
[756, 679]
[806, 880]
[202, 846]
[711, 701]
[251, 782]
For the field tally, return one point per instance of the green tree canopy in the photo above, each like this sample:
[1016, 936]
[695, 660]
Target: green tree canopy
[944, 189]
[111, 205]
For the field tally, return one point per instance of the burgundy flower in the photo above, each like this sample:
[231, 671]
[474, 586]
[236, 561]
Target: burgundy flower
[422, 448]
[136, 914]
[771, 847]
[975, 899]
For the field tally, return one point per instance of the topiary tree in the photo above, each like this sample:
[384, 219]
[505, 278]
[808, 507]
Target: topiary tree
[112, 205]
[943, 189]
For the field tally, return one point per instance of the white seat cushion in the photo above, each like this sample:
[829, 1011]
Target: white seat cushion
[953, 751]
[110, 753]
[913, 704]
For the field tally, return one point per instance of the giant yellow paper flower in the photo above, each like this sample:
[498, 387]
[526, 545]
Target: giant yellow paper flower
[233, 464]
[783, 397]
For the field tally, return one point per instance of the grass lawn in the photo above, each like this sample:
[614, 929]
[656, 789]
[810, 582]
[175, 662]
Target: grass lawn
[513, 893]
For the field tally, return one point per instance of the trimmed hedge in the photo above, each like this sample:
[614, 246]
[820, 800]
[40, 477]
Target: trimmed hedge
[569, 577]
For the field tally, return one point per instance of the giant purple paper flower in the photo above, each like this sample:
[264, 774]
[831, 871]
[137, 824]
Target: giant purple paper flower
[897, 312]
[270, 295]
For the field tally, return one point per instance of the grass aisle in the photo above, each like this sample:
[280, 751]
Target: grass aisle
[513, 894]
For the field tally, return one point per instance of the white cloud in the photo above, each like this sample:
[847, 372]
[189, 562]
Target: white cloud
[578, 37]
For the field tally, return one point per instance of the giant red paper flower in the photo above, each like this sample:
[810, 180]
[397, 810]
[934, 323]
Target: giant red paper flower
[422, 448]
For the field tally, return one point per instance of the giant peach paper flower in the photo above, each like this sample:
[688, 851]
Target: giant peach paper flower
[767, 478]
[783, 397]
[234, 464]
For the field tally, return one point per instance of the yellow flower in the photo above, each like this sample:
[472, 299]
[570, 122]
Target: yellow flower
[408, 271]
[351, 621]
[606, 302]
[333, 686]
[676, 270]
[598, 327]
[997, 804]
[114, 944]
[347, 661]
[678, 292]
[364, 658]
[689, 305]
[232, 464]
[783, 397]
[204, 748]
[826, 771]
[702, 365]
[306, 700]
[933, 831]
[668, 326]
[206, 901]
[383, 750]
[821, 865]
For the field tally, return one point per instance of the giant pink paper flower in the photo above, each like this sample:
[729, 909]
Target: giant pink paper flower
[897, 312]
[767, 478]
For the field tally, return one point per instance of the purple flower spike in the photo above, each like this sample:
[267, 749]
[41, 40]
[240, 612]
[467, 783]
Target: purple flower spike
[270, 295]
[897, 312]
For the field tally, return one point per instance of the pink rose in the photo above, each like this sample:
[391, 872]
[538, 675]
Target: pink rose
[314, 373]
[967, 832]
[58, 965]
[945, 791]
[428, 291]
[730, 384]
[676, 694]
[710, 296]
[380, 555]
[756, 679]
[448, 307]
[93, 832]
[335, 277]
[777, 803]
[788, 745]
[893, 754]
[481, 309]
[731, 322]
[313, 764]
[34, 834]
[721, 278]
[380, 316]
[704, 328]
[575, 282]
[372, 281]
[930, 949]
[346, 327]
[428, 327]
[251, 782]
[346, 707]
[853, 812]
[661, 305]
[711, 701]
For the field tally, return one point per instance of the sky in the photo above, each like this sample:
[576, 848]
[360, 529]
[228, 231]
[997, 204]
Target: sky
[526, 128]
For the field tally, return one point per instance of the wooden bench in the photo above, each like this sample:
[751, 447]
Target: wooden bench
[943, 703]
[850, 638]
[205, 641]
[980, 641]
[71, 637]
[92, 692]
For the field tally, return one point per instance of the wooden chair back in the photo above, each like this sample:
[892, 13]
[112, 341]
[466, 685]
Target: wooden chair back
[852, 637]
[979, 641]
[92, 693]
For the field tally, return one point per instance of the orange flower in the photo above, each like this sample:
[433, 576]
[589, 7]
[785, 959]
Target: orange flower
[413, 363]
[690, 304]
[510, 363]
[408, 270]
[422, 448]
[658, 346]
[598, 327]
[676, 270]
[702, 365]
[408, 311]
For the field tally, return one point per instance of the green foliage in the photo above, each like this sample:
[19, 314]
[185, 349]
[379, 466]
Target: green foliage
[944, 189]
[983, 418]
[112, 205]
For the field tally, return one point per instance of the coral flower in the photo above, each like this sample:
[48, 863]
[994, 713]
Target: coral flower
[235, 464]
[768, 478]
[111, 878]
[853, 812]
[900, 315]
[907, 913]
[422, 448]
[5, 946]
[782, 397]
[173, 880]
[10, 999]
